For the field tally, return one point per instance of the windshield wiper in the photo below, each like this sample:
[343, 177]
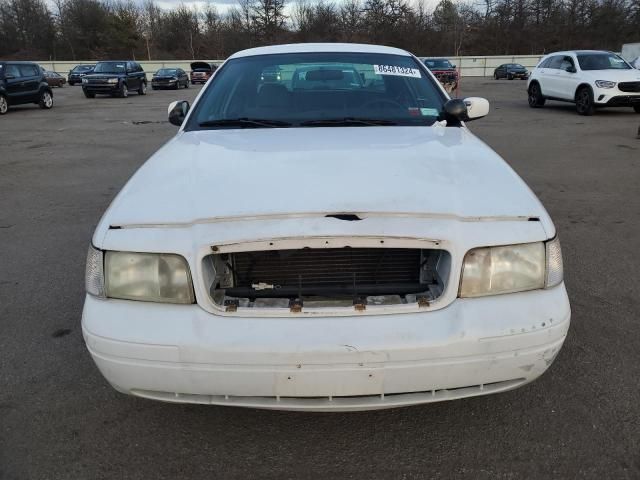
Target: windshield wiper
[244, 123]
[346, 122]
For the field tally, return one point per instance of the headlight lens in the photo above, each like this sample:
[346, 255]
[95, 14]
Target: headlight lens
[511, 268]
[605, 84]
[506, 269]
[150, 277]
[94, 273]
[85, 80]
[112, 80]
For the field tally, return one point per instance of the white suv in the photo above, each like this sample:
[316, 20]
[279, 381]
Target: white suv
[588, 78]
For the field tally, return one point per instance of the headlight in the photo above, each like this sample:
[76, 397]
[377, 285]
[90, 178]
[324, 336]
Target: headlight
[605, 84]
[112, 80]
[85, 80]
[511, 268]
[151, 277]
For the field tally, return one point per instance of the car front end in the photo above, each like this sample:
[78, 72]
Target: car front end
[612, 93]
[521, 73]
[349, 353]
[164, 81]
[363, 267]
[108, 84]
[77, 74]
[339, 309]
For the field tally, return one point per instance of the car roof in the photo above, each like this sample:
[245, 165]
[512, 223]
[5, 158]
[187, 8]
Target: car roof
[576, 52]
[319, 47]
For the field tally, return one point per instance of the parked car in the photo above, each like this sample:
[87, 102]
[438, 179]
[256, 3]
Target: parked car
[444, 71]
[116, 78]
[170, 78]
[588, 78]
[271, 75]
[21, 83]
[79, 71]
[372, 253]
[511, 71]
[54, 79]
[201, 72]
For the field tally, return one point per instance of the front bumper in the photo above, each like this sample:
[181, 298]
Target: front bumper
[180, 353]
[624, 101]
[164, 83]
[101, 88]
[613, 97]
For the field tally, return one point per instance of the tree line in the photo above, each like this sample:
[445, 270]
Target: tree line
[102, 29]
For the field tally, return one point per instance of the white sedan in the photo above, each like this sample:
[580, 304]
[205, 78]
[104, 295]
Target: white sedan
[330, 238]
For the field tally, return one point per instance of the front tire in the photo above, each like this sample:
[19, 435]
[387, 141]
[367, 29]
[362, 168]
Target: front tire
[584, 102]
[124, 91]
[536, 100]
[510, 77]
[495, 76]
[46, 100]
[636, 108]
[89, 95]
[4, 105]
[143, 88]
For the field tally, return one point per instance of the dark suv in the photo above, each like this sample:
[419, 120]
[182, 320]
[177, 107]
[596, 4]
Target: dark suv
[116, 78]
[23, 82]
[79, 71]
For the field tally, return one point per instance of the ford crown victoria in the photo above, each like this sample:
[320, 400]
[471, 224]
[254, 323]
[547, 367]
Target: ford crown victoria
[331, 239]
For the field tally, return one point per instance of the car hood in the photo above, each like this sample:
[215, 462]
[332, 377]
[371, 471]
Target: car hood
[631, 75]
[211, 175]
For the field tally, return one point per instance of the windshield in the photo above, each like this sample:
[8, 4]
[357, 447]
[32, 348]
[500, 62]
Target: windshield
[318, 89]
[110, 67]
[435, 63]
[82, 68]
[167, 71]
[516, 65]
[601, 61]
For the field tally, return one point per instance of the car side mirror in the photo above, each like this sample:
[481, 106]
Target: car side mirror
[456, 109]
[477, 107]
[571, 69]
[453, 66]
[178, 112]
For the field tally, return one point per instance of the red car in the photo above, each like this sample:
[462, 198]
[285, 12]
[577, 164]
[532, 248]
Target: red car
[201, 72]
[444, 71]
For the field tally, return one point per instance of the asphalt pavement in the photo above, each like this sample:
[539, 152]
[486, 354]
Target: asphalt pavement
[59, 419]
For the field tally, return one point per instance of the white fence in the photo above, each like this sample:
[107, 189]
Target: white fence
[468, 66]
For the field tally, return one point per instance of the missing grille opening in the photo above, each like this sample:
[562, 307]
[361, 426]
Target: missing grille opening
[300, 279]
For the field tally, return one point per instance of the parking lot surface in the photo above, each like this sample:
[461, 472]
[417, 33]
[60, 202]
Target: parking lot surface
[59, 170]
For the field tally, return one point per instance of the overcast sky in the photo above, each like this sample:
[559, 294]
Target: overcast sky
[223, 5]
